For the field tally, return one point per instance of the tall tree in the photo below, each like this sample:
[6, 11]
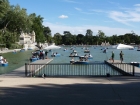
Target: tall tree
[89, 33]
[101, 34]
[38, 28]
[80, 39]
[57, 38]
[47, 34]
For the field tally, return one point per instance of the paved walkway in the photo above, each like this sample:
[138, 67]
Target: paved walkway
[20, 72]
[70, 91]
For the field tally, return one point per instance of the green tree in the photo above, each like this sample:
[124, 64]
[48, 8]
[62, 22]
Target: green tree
[4, 8]
[57, 38]
[38, 28]
[67, 38]
[89, 33]
[80, 39]
[47, 34]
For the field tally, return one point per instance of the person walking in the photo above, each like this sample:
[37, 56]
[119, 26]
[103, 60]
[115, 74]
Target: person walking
[121, 56]
[112, 56]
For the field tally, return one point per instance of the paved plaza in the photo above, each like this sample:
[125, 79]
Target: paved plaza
[70, 91]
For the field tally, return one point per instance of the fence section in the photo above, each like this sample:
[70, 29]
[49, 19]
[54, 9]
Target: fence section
[96, 69]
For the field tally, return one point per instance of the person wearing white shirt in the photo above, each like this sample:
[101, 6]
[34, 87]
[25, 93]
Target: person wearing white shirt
[1, 57]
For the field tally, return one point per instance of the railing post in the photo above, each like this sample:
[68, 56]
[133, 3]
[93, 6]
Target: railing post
[26, 70]
[133, 70]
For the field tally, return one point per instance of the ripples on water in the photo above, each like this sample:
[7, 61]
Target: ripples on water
[20, 58]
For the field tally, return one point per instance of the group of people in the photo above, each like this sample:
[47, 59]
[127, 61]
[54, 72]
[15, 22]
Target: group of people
[89, 55]
[2, 60]
[39, 54]
[113, 55]
[75, 54]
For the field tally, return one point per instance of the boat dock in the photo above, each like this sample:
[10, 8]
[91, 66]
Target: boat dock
[20, 72]
[125, 66]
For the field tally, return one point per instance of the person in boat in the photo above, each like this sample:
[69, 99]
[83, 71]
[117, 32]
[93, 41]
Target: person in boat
[104, 50]
[1, 57]
[75, 54]
[72, 59]
[4, 60]
[90, 55]
[53, 55]
[85, 57]
[1, 62]
[80, 59]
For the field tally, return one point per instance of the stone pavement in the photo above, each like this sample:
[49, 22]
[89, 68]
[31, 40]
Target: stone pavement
[70, 91]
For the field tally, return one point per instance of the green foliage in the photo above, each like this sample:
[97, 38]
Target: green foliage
[38, 28]
[4, 8]
[47, 34]
[89, 33]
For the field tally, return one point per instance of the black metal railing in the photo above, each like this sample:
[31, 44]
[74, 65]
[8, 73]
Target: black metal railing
[95, 69]
[127, 69]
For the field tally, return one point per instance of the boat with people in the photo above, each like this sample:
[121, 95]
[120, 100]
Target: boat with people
[87, 56]
[33, 59]
[74, 51]
[55, 55]
[83, 48]
[65, 50]
[74, 54]
[86, 50]
[82, 60]
[3, 61]
[38, 54]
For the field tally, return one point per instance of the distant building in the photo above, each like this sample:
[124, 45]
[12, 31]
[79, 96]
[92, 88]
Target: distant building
[28, 40]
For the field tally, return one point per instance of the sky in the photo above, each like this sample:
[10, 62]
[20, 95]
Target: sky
[113, 17]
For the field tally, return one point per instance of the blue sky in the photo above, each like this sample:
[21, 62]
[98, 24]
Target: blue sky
[110, 16]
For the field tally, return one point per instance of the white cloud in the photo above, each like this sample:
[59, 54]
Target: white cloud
[137, 5]
[63, 16]
[126, 15]
[96, 10]
[119, 17]
[109, 31]
[78, 9]
[71, 1]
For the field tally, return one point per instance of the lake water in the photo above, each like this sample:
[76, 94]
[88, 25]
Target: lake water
[20, 58]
